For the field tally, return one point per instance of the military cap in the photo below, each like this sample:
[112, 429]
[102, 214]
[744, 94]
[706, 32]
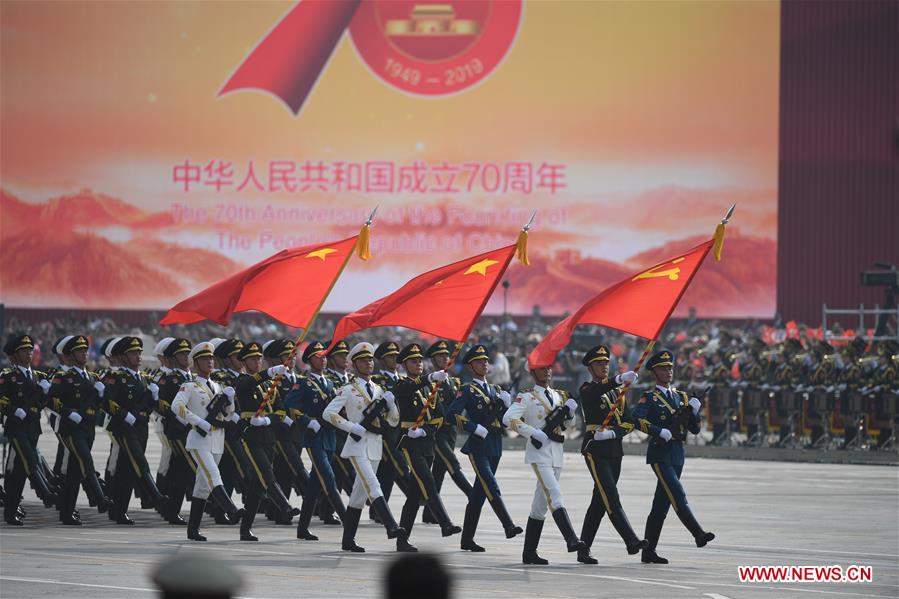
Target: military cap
[216, 341]
[178, 345]
[285, 346]
[341, 347]
[108, 345]
[202, 349]
[226, 347]
[265, 348]
[16, 342]
[57, 347]
[664, 357]
[196, 576]
[600, 353]
[75, 343]
[475, 352]
[887, 348]
[410, 352]
[127, 344]
[314, 348]
[388, 348]
[277, 347]
[362, 350]
[159, 350]
[250, 350]
[437, 348]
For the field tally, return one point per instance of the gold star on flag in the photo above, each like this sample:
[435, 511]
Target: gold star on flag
[322, 253]
[481, 267]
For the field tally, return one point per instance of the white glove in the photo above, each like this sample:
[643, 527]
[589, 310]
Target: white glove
[287, 420]
[204, 425]
[44, 384]
[629, 377]
[154, 390]
[276, 370]
[438, 376]
[314, 425]
[357, 429]
[539, 435]
[571, 405]
[229, 393]
[695, 404]
[180, 419]
[75, 417]
[415, 433]
[480, 431]
[259, 421]
[268, 420]
[603, 435]
[130, 419]
[20, 413]
[390, 398]
[507, 399]
[665, 434]
[100, 387]
[235, 417]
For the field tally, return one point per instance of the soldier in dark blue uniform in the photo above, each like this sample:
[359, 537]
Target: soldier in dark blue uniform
[446, 461]
[419, 423]
[22, 396]
[306, 402]
[393, 468]
[666, 415]
[602, 450]
[130, 397]
[233, 465]
[479, 409]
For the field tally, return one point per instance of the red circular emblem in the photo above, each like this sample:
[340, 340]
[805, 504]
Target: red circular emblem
[433, 48]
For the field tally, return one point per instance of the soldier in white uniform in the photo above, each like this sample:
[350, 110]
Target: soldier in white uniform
[165, 456]
[206, 406]
[528, 416]
[363, 445]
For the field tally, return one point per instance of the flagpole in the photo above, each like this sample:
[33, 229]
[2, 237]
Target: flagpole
[716, 248]
[521, 252]
[361, 248]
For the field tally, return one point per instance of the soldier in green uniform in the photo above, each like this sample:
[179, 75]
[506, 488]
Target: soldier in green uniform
[338, 373]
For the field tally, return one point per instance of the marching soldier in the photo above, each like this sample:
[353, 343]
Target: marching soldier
[445, 443]
[233, 465]
[483, 406]
[393, 468]
[22, 392]
[419, 424]
[602, 450]
[165, 456]
[76, 395]
[258, 439]
[287, 464]
[666, 415]
[130, 398]
[182, 468]
[53, 417]
[338, 372]
[114, 363]
[207, 407]
[364, 403]
[308, 399]
[540, 415]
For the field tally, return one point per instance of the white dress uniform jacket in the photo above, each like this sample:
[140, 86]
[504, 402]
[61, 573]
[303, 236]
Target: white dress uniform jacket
[190, 404]
[354, 399]
[528, 413]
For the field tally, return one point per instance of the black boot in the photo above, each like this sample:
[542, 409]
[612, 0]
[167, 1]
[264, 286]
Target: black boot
[251, 504]
[149, 492]
[686, 516]
[305, 519]
[461, 482]
[407, 521]
[469, 526]
[588, 532]
[626, 532]
[325, 513]
[447, 528]
[531, 540]
[652, 534]
[193, 522]
[350, 524]
[336, 502]
[224, 503]
[499, 507]
[564, 523]
[276, 495]
[390, 525]
[427, 517]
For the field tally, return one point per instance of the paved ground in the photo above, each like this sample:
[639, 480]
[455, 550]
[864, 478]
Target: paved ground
[764, 513]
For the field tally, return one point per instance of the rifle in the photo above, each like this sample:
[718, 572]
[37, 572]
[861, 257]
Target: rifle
[554, 419]
[680, 422]
[371, 412]
[216, 407]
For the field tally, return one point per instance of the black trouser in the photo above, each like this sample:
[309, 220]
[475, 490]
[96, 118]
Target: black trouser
[421, 489]
[605, 472]
[80, 468]
[321, 483]
[261, 477]
[180, 477]
[26, 465]
[132, 468]
[343, 469]
[393, 467]
[290, 472]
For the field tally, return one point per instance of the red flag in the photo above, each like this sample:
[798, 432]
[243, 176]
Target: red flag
[639, 305]
[289, 286]
[444, 302]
